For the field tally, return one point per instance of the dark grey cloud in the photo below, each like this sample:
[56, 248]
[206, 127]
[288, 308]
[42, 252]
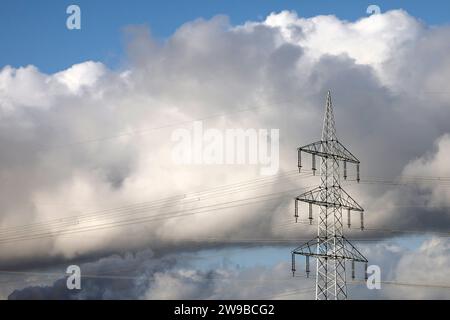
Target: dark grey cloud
[144, 276]
[111, 277]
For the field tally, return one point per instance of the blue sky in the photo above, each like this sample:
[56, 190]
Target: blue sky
[247, 257]
[34, 32]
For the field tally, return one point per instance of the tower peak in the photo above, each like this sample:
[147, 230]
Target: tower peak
[329, 129]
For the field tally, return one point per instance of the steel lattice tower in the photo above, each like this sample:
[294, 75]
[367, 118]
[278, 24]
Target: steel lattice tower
[331, 249]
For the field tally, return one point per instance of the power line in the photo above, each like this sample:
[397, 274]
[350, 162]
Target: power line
[168, 216]
[128, 210]
[407, 284]
[407, 180]
[236, 187]
[168, 125]
[180, 213]
[145, 131]
[125, 210]
[392, 282]
[288, 293]
[120, 277]
[380, 230]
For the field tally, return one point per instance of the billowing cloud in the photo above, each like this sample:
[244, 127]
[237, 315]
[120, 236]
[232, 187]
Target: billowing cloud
[145, 276]
[406, 273]
[86, 166]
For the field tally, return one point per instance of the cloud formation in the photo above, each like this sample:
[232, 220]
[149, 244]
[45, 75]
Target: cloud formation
[405, 274]
[86, 164]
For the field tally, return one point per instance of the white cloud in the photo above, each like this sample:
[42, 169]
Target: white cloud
[429, 265]
[81, 75]
[81, 140]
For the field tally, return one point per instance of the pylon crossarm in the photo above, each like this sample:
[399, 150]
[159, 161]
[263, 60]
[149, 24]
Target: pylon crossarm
[348, 202]
[351, 249]
[306, 249]
[340, 152]
[345, 154]
[345, 201]
[349, 252]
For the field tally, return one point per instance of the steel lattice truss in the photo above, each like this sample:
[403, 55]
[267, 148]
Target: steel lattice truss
[340, 152]
[330, 247]
[314, 196]
[349, 252]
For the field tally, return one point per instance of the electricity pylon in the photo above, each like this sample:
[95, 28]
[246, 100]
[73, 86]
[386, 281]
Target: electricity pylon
[330, 248]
